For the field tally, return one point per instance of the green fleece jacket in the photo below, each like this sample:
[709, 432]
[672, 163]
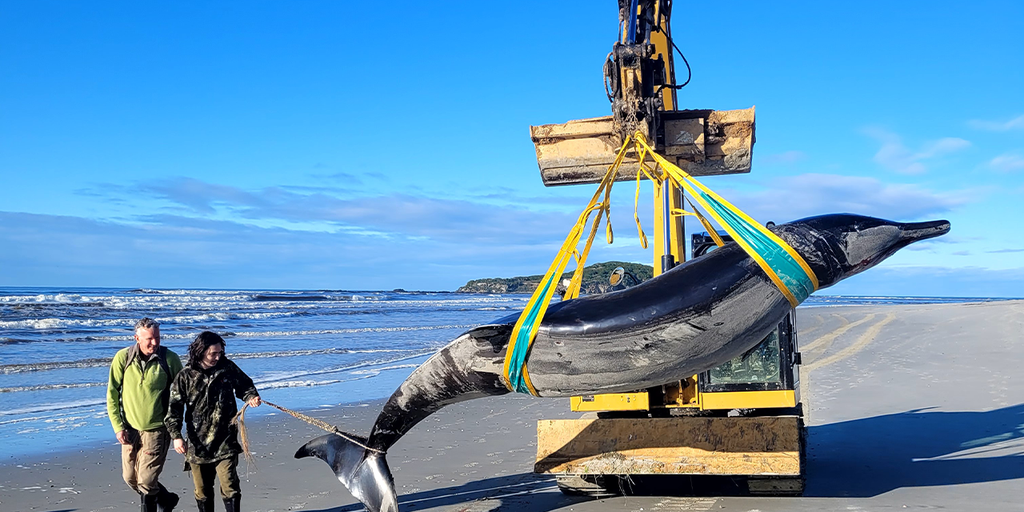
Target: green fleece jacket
[135, 389]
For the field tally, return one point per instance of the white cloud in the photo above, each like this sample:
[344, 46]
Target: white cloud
[400, 215]
[943, 146]
[896, 156]
[224, 235]
[175, 251]
[221, 235]
[815, 194]
[1008, 162]
[998, 126]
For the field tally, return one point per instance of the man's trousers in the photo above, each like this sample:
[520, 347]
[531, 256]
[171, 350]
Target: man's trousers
[143, 458]
[225, 470]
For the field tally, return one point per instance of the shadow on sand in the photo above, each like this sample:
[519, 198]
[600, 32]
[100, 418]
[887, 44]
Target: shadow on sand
[513, 492]
[917, 448]
[858, 458]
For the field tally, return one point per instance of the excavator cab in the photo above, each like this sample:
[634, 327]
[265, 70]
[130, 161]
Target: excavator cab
[770, 366]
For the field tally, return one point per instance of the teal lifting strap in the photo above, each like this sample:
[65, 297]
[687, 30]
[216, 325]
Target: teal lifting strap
[786, 267]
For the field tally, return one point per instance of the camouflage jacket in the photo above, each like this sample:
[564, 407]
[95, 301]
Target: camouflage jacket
[206, 400]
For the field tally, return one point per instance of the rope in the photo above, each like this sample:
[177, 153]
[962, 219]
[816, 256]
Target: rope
[240, 418]
[250, 461]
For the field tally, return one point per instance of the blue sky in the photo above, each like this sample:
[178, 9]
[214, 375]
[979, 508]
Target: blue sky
[319, 145]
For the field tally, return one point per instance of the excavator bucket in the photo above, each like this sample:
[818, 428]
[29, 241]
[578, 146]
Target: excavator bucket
[701, 142]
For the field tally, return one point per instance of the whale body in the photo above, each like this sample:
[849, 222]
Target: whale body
[688, 320]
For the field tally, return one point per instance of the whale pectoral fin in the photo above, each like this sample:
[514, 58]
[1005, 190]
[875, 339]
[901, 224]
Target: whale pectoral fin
[363, 472]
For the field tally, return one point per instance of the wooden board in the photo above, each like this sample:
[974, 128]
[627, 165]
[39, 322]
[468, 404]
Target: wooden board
[701, 142]
[683, 445]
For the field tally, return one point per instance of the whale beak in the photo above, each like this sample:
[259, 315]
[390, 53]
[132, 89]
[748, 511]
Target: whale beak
[911, 232]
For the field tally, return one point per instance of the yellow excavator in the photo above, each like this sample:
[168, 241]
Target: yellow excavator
[742, 421]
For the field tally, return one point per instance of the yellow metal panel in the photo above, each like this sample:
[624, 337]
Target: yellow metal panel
[682, 393]
[612, 402]
[662, 47]
[684, 445]
[748, 399]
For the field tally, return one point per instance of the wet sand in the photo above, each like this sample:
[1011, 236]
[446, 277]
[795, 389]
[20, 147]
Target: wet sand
[908, 407]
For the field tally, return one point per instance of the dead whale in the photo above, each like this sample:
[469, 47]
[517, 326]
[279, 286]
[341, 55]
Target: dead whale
[683, 322]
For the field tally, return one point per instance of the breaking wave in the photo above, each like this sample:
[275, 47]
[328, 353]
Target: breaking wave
[10, 369]
[33, 409]
[243, 334]
[44, 387]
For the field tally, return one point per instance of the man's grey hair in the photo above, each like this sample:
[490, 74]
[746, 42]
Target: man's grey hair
[146, 323]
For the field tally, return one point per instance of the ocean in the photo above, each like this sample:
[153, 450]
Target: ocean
[304, 349]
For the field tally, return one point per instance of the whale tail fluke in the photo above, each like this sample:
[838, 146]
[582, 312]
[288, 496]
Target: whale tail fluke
[363, 472]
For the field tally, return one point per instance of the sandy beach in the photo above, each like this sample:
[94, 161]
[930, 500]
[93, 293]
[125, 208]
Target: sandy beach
[907, 407]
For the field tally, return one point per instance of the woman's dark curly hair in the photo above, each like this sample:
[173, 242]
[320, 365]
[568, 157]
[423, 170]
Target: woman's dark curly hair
[197, 349]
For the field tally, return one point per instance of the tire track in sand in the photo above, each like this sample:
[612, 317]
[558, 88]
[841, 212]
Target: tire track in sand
[862, 342]
[827, 339]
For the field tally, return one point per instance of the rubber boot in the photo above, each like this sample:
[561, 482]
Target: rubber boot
[166, 500]
[205, 505]
[233, 504]
[149, 502]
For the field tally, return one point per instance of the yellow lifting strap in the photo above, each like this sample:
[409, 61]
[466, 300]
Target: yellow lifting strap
[516, 377]
[783, 265]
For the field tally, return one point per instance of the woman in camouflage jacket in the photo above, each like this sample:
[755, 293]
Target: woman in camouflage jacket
[204, 394]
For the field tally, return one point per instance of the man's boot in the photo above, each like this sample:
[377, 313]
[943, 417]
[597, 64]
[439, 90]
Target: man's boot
[149, 502]
[205, 504]
[165, 500]
[234, 503]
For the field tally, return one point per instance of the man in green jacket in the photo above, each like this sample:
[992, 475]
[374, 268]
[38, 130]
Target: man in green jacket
[208, 387]
[138, 393]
